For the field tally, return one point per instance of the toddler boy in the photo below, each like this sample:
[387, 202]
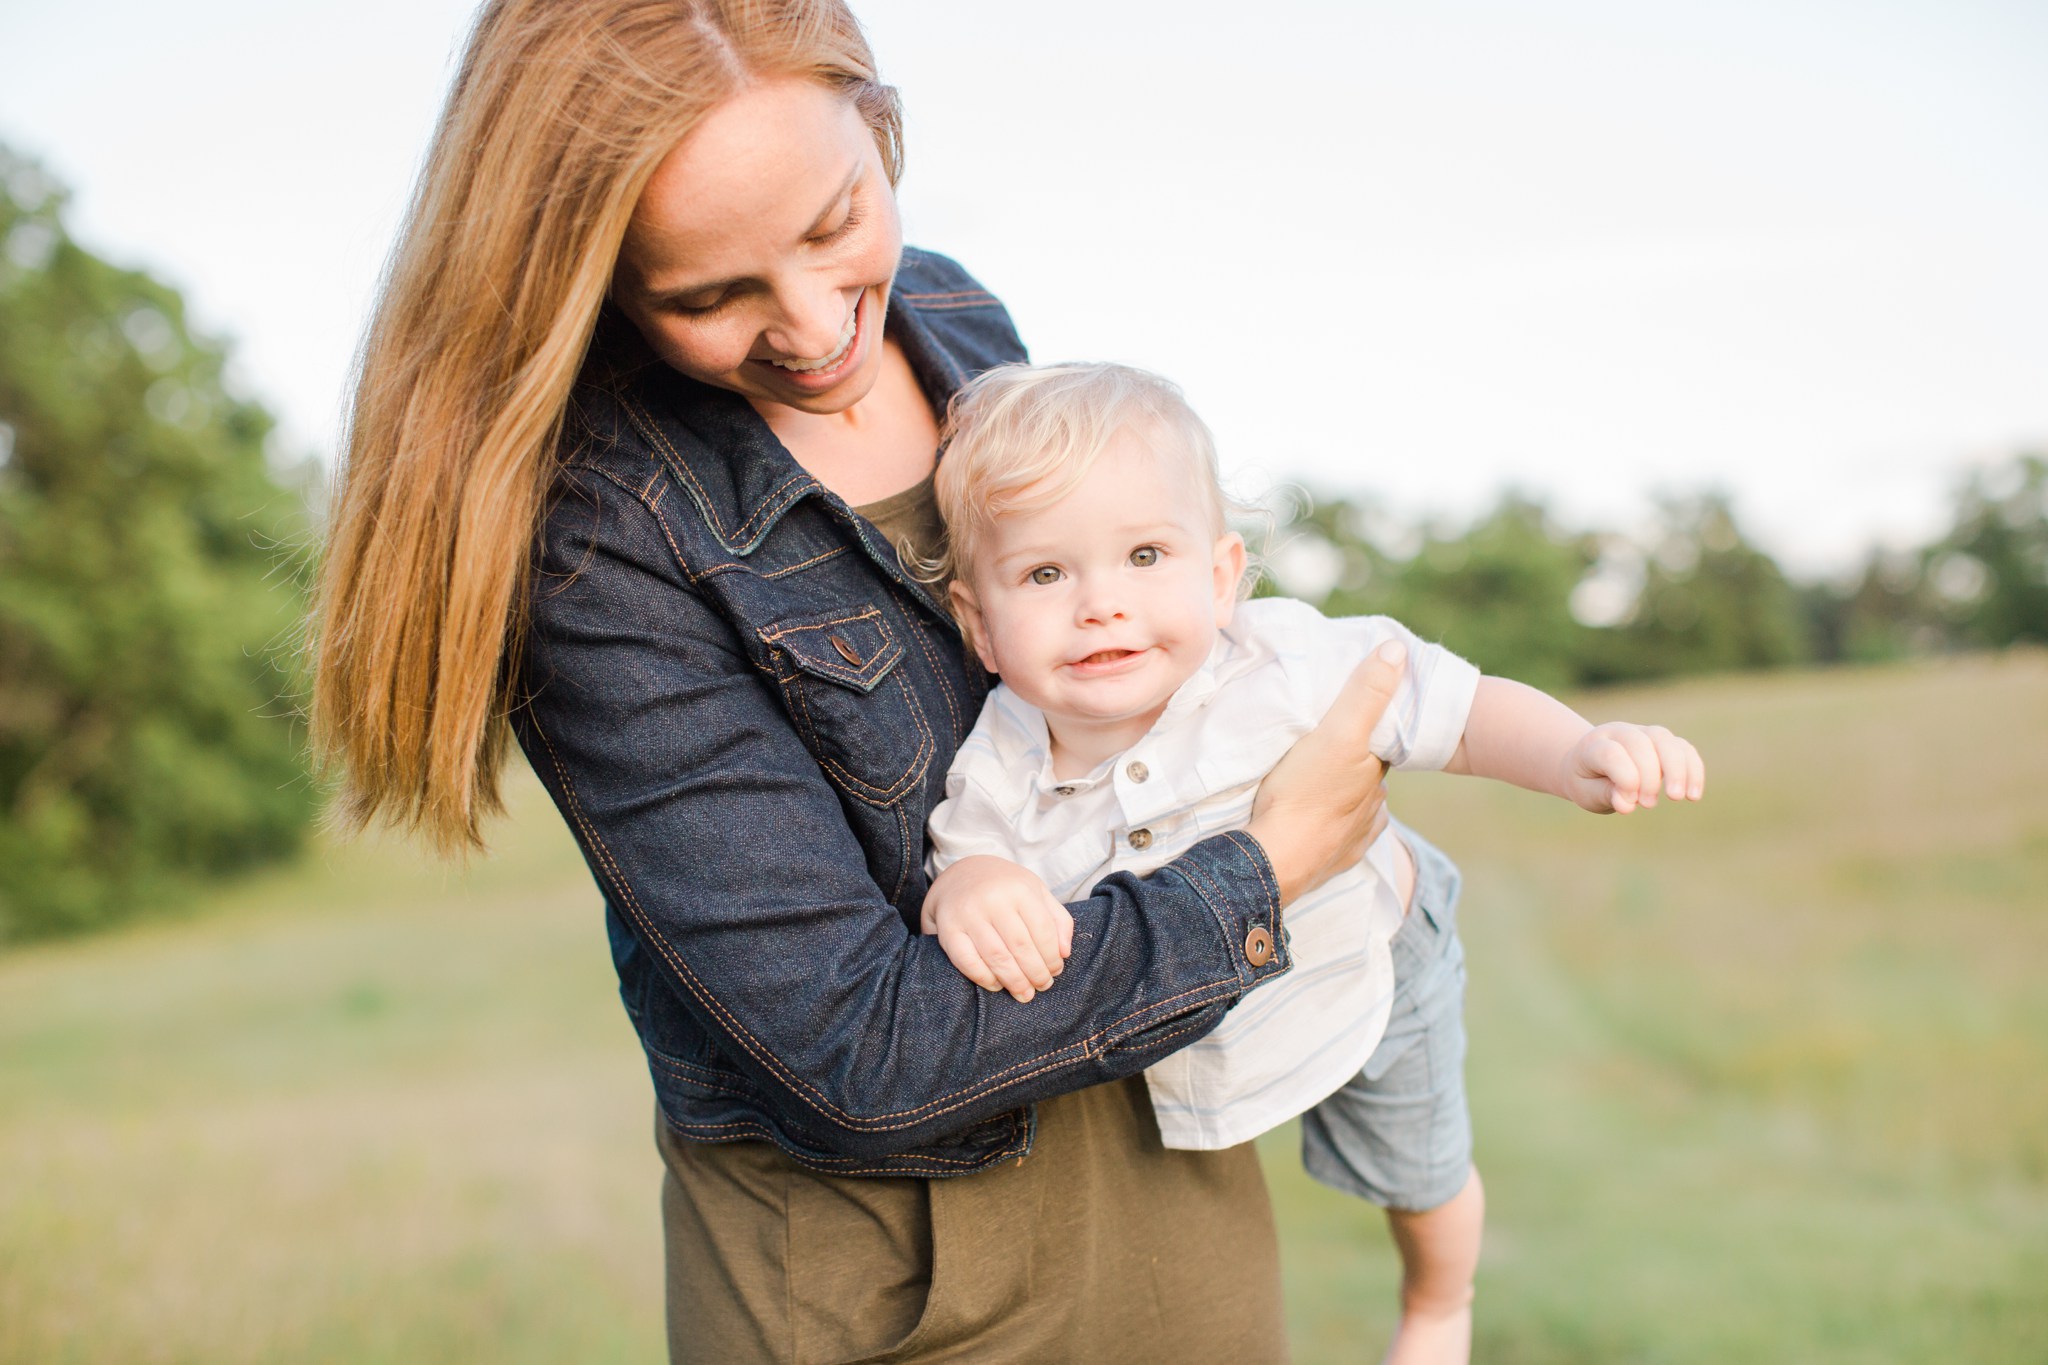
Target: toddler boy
[1141, 704]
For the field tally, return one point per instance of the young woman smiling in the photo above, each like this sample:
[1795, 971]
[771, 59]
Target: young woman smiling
[647, 403]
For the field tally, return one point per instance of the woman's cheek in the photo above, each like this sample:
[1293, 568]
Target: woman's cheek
[705, 354]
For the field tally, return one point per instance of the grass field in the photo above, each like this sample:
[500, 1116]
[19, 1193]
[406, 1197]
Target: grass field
[1762, 1081]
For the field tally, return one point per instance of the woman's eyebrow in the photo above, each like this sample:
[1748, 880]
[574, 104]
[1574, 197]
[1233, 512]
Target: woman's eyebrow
[669, 293]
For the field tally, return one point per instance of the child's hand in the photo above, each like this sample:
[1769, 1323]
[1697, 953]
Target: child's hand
[999, 925]
[1616, 767]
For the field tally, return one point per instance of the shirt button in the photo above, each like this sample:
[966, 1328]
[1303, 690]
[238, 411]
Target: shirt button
[1064, 791]
[1138, 772]
[1258, 947]
[1141, 838]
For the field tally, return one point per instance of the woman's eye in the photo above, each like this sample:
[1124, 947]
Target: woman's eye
[694, 309]
[845, 225]
[1145, 556]
[1045, 574]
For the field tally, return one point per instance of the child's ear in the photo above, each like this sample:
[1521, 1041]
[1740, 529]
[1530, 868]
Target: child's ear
[1230, 559]
[967, 611]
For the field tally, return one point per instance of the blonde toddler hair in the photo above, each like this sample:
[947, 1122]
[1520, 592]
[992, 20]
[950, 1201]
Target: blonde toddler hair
[1021, 437]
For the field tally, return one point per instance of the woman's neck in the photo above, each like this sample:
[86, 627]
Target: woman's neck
[883, 444]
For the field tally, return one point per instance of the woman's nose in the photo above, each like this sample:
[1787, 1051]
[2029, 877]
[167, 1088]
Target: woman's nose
[810, 323]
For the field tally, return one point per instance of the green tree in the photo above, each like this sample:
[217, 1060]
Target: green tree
[1711, 602]
[1498, 592]
[149, 586]
[1989, 574]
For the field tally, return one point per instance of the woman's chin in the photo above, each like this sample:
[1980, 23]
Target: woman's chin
[834, 388]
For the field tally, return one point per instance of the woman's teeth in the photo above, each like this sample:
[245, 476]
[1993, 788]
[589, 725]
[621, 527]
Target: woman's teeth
[839, 354]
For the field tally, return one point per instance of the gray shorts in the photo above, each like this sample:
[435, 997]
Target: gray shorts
[1398, 1133]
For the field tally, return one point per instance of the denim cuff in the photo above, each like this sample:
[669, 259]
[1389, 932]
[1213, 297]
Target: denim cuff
[1231, 874]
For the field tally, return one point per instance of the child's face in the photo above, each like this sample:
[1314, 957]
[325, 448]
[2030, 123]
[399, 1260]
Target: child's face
[1097, 607]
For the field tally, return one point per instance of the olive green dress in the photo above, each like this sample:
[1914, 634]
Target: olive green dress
[1099, 1246]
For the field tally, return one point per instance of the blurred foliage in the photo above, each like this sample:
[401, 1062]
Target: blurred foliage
[1524, 597]
[150, 572]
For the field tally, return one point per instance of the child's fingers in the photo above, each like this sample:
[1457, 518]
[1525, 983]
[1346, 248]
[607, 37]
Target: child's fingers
[1043, 933]
[1642, 751]
[1608, 757]
[966, 958]
[1006, 943]
[1680, 761]
[1063, 919]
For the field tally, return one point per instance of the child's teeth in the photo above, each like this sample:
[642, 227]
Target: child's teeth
[845, 340]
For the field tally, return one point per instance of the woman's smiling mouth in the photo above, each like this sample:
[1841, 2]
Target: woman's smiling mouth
[847, 336]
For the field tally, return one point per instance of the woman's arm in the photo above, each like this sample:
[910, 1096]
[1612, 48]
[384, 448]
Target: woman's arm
[718, 840]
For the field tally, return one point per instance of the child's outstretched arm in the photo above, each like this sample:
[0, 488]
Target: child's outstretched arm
[1520, 735]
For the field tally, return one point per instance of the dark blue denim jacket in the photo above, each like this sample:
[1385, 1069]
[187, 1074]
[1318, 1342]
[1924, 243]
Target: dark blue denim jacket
[745, 709]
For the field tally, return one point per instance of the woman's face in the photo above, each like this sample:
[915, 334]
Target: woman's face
[759, 256]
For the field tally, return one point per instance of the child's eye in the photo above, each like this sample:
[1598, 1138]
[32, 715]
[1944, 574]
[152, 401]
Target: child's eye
[1045, 574]
[1145, 556]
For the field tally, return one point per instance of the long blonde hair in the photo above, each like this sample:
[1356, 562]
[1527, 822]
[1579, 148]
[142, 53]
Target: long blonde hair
[559, 115]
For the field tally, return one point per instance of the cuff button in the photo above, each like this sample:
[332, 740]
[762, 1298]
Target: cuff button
[1258, 946]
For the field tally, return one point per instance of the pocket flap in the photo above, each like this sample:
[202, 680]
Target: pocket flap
[854, 649]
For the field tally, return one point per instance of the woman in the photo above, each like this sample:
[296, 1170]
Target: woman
[650, 393]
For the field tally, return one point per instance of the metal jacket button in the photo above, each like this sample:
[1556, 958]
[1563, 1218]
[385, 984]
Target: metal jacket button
[1138, 772]
[1141, 838]
[1258, 946]
[846, 651]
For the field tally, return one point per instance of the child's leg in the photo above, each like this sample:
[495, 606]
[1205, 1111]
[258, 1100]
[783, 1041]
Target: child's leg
[1439, 1256]
[1399, 1134]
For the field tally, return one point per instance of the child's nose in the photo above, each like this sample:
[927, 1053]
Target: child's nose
[1100, 604]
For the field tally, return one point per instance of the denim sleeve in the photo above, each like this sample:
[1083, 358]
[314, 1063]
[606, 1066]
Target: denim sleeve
[717, 839]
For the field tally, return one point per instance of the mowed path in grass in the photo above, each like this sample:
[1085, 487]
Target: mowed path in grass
[1761, 1080]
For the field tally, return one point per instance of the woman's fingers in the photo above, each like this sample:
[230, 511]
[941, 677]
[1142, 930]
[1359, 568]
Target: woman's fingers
[1379, 816]
[1364, 697]
[1323, 802]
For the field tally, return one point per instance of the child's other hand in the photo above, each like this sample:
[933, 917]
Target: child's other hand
[1616, 767]
[999, 925]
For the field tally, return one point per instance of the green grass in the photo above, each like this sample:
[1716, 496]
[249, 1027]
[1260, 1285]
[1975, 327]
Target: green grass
[1762, 1080]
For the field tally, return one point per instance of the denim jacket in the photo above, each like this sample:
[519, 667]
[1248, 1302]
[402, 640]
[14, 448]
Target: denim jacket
[744, 709]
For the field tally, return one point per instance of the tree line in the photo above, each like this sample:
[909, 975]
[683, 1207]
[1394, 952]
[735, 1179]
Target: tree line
[1526, 597]
[154, 553]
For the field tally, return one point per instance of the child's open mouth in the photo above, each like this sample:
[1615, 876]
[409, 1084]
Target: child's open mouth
[1104, 660]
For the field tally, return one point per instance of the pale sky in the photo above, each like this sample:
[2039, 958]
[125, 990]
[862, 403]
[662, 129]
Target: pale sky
[1593, 248]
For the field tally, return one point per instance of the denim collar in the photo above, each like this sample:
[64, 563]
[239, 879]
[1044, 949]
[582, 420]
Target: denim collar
[737, 473]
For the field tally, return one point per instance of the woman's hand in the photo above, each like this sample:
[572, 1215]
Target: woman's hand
[999, 925]
[1323, 803]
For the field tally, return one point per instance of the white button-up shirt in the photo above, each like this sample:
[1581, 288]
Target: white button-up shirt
[1272, 675]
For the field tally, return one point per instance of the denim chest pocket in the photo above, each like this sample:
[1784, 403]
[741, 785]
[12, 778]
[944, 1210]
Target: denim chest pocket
[841, 678]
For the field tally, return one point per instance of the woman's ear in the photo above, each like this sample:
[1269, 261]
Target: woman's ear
[967, 611]
[1230, 560]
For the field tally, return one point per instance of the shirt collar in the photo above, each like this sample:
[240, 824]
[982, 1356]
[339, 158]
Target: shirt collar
[1189, 697]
